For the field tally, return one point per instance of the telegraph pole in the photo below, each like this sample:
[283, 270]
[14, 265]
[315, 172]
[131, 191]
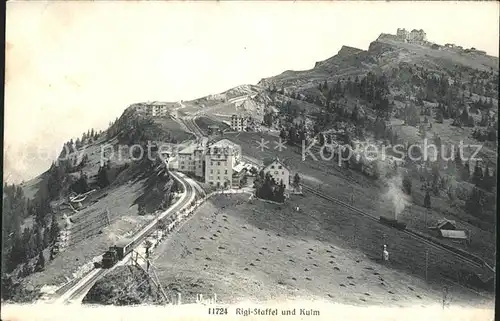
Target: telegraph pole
[426, 262]
[354, 234]
[148, 245]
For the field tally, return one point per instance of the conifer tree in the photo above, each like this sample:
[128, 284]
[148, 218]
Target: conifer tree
[477, 175]
[427, 200]
[40, 263]
[54, 230]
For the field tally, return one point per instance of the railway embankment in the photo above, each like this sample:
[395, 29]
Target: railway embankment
[125, 285]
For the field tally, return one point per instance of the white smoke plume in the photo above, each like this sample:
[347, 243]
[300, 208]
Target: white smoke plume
[396, 195]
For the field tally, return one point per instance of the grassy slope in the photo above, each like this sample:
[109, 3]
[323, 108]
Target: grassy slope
[174, 129]
[382, 53]
[450, 136]
[204, 123]
[119, 199]
[263, 252]
[124, 219]
[111, 290]
[368, 194]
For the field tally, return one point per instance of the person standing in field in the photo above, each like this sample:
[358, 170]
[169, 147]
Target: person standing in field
[385, 254]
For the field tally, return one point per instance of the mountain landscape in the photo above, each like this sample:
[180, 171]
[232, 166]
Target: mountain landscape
[325, 242]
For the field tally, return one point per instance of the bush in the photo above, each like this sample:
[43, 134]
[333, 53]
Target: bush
[407, 185]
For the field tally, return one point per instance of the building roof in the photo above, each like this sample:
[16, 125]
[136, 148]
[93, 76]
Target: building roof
[225, 143]
[240, 172]
[239, 167]
[190, 149]
[454, 234]
[273, 161]
[444, 221]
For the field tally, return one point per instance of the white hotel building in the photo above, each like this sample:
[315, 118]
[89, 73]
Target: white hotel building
[154, 109]
[191, 160]
[220, 159]
[216, 163]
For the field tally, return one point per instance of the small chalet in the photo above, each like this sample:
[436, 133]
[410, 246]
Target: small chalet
[239, 172]
[453, 234]
[279, 171]
[447, 229]
[445, 224]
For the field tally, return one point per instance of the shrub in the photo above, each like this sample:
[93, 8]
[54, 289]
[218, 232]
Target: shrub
[407, 185]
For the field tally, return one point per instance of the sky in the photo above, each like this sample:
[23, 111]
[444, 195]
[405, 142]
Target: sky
[72, 66]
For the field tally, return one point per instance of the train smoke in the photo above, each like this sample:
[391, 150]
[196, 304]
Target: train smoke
[396, 195]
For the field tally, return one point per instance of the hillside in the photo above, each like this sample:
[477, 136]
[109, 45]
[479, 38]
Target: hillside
[382, 55]
[243, 249]
[117, 190]
[395, 93]
[126, 285]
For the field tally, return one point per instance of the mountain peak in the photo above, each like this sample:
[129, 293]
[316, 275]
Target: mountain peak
[347, 51]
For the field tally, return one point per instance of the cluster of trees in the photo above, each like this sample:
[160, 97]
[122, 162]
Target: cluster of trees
[16, 207]
[289, 111]
[86, 138]
[409, 115]
[483, 179]
[134, 129]
[158, 193]
[481, 204]
[464, 119]
[489, 134]
[435, 86]
[273, 89]
[29, 245]
[486, 120]
[322, 121]
[295, 134]
[483, 104]
[268, 119]
[480, 201]
[58, 179]
[81, 185]
[130, 130]
[372, 88]
[442, 113]
[432, 86]
[102, 175]
[424, 111]
[267, 188]
[23, 245]
[484, 86]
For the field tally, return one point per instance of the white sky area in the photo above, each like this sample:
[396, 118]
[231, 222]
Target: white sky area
[77, 65]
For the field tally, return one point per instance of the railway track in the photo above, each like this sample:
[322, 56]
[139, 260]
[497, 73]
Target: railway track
[75, 290]
[81, 291]
[463, 256]
[467, 258]
[190, 123]
[477, 262]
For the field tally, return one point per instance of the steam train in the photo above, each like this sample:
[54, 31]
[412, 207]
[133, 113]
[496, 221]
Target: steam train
[117, 252]
[391, 220]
